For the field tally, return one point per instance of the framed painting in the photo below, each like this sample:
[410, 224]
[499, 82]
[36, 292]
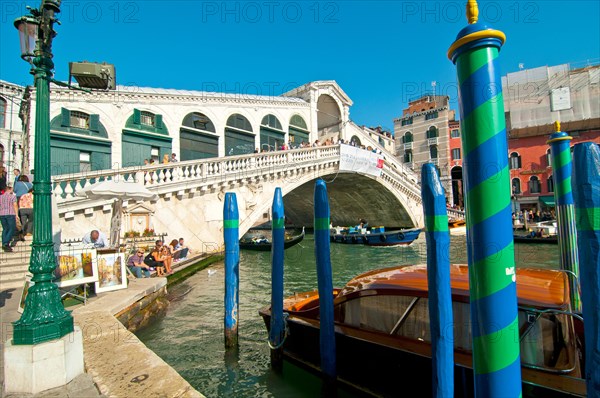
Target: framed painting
[26, 286]
[75, 266]
[112, 272]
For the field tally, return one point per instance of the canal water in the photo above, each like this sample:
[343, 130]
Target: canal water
[190, 336]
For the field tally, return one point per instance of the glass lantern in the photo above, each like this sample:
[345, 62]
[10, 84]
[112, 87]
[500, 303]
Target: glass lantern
[28, 35]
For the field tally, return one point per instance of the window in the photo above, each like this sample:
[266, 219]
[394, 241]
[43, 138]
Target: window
[516, 186]
[155, 154]
[408, 137]
[431, 115]
[271, 121]
[298, 121]
[549, 157]
[85, 163]
[408, 156]
[408, 121]
[80, 120]
[534, 185]
[147, 119]
[550, 183]
[433, 152]
[456, 154]
[2, 113]
[432, 132]
[515, 161]
[455, 133]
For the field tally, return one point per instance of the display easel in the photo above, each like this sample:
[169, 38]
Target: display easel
[72, 291]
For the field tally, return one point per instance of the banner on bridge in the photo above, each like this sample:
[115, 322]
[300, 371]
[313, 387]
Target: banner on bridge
[360, 160]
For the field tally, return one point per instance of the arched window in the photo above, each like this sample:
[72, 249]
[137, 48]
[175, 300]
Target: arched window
[433, 152]
[2, 113]
[408, 137]
[549, 157]
[515, 161]
[516, 186]
[272, 136]
[197, 138]
[298, 131]
[432, 132]
[534, 185]
[550, 183]
[239, 138]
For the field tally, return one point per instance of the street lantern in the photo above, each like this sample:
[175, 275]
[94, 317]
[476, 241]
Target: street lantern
[28, 34]
[44, 317]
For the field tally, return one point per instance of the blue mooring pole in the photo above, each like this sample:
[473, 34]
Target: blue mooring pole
[231, 223]
[277, 331]
[438, 278]
[324, 278]
[586, 192]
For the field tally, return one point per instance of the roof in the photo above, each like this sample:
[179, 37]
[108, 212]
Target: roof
[535, 287]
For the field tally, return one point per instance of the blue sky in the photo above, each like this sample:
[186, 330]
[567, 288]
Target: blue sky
[380, 52]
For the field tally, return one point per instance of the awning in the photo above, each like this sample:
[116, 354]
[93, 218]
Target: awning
[547, 201]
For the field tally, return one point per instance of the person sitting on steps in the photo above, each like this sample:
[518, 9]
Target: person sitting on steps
[137, 266]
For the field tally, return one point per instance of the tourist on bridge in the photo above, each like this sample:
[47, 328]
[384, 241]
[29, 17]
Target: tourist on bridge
[174, 158]
[95, 238]
[8, 218]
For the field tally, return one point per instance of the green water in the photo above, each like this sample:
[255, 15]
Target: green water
[190, 336]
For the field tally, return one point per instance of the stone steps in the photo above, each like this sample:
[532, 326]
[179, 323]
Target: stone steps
[14, 266]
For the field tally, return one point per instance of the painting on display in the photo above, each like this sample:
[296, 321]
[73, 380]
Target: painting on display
[112, 272]
[26, 286]
[75, 266]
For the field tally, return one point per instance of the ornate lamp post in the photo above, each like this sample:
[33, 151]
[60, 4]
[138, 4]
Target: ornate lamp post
[44, 317]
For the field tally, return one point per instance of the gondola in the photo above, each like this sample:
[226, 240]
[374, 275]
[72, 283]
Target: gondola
[260, 240]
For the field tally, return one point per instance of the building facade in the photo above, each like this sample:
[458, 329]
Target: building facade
[534, 99]
[126, 127]
[12, 126]
[422, 135]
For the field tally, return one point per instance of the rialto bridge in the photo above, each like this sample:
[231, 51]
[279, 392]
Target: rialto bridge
[108, 135]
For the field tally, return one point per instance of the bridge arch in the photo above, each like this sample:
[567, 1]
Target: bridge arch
[329, 115]
[351, 196]
[272, 134]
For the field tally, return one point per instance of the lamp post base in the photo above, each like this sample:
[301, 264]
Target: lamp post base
[34, 368]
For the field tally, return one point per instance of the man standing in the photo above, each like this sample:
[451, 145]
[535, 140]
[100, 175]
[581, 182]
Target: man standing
[174, 158]
[8, 217]
[96, 238]
[17, 174]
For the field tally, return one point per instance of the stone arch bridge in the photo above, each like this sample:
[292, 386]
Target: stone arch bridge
[191, 194]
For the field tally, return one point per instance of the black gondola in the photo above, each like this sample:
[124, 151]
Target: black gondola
[261, 239]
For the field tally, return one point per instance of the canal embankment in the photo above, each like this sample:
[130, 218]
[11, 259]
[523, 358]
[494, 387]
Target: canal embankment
[117, 363]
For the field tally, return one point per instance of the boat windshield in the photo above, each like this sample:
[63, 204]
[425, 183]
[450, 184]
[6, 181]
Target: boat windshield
[547, 339]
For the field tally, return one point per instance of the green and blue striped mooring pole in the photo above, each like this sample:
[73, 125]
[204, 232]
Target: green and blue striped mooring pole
[231, 224]
[586, 192]
[277, 331]
[490, 246]
[324, 281]
[562, 167]
[441, 321]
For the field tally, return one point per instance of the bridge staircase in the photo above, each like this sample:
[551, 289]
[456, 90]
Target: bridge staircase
[14, 266]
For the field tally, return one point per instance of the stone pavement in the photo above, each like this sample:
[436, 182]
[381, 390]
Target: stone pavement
[117, 363]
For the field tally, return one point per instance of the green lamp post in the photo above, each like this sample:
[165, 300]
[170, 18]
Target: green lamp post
[44, 317]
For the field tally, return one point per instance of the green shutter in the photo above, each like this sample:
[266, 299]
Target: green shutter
[94, 122]
[66, 117]
[158, 121]
[136, 116]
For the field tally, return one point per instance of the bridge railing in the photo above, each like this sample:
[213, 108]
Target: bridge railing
[169, 176]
